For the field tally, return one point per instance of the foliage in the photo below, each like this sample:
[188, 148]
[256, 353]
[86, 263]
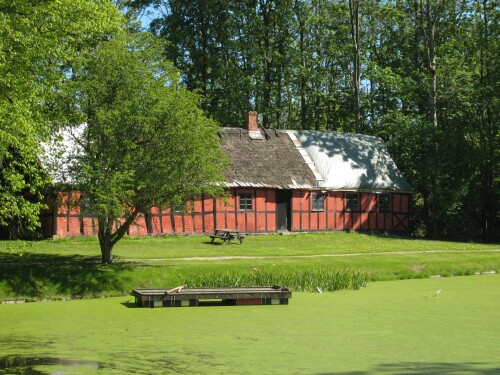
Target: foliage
[144, 144]
[36, 39]
[427, 73]
[428, 85]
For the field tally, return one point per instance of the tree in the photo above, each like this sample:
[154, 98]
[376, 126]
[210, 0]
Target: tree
[487, 111]
[199, 45]
[36, 39]
[144, 142]
[430, 15]
[354, 21]
[422, 74]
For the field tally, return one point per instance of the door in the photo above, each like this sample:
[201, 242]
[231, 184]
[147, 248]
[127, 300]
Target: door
[283, 211]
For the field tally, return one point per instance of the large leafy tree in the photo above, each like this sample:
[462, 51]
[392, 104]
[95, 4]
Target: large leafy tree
[144, 142]
[430, 65]
[423, 75]
[37, 38]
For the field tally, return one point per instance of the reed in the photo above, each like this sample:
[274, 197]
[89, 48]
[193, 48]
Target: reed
[303, 281]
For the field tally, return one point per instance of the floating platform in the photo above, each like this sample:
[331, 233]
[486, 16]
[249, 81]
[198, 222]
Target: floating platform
[181, 296]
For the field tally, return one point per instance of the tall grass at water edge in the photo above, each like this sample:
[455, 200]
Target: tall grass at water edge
[304, 281]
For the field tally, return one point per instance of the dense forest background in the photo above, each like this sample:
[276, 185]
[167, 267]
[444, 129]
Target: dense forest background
[421, 74]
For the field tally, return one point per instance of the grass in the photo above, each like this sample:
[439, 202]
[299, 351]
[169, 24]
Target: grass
[403, 327]
[70, 267]
[257, 245]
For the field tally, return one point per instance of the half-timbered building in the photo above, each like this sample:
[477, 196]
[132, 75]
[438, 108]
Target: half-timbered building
[277, 181]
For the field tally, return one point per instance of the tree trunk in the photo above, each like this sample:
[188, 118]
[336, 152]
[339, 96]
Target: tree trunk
[104, 235]
[431, 67]
[267, 64]
[108, 238]
[487, 132]
[303, 83]
[106, 252]
[204, 68]
[355, 25]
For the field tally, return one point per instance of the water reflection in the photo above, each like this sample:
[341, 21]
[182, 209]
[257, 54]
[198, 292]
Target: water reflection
[27, 365]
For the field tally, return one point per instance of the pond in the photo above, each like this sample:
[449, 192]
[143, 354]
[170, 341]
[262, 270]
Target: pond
[385, 328]
[29, 365]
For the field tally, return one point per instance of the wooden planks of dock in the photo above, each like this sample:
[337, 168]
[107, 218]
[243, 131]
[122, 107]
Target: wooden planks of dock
[182, 296]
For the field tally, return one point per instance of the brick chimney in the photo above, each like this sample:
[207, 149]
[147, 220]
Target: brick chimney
[251, 121]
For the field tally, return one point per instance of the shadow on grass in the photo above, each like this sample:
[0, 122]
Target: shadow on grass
[49, 276]
[212, 243]
[131, 305]
[220, 243]
[218, 303]
[408, 237]
[416, 368]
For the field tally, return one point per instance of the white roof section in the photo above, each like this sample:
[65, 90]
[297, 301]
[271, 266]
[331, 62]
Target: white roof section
[256, 134]
[310, 163]
[348, 161]
[60, 152]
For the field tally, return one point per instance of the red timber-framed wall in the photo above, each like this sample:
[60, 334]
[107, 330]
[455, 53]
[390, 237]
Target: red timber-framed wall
[336, 215]
[65, 219]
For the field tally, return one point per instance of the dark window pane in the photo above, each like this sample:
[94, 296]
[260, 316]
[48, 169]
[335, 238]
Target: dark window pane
[352, 202]
[245, 202]
[384, 203]
[86, 205]
[318, 202]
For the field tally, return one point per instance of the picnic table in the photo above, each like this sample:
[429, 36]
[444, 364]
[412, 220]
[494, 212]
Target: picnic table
[227, 235]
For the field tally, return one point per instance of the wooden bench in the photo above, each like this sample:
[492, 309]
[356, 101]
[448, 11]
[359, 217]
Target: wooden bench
[227, 235]
[214, 236]
[240, 237]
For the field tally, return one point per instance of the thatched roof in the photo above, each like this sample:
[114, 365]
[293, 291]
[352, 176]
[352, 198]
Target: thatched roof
[309, 160]
[271, 161]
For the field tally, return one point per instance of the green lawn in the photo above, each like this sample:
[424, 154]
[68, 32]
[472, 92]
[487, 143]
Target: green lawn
[430, 326]
[70, 267]
[256, 245]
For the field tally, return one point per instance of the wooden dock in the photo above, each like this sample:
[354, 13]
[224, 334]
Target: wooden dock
[180, 296]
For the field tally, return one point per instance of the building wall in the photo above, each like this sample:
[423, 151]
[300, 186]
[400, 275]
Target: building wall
[203, 215]
[337, 217]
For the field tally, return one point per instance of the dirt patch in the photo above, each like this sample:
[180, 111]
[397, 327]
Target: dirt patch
[415, 268]
[229, 257]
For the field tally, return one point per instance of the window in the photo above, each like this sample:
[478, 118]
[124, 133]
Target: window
[245, 202]
[352, 202]
[179, 208]
[318, 202]
[384, 203]
[85, 205]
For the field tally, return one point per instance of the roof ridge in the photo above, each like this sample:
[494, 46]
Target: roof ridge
[307, 159]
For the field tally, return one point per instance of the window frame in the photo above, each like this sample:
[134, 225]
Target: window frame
[245, 202]
[384, 207]
[86, 203]
[349, 199]
[317, 197]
